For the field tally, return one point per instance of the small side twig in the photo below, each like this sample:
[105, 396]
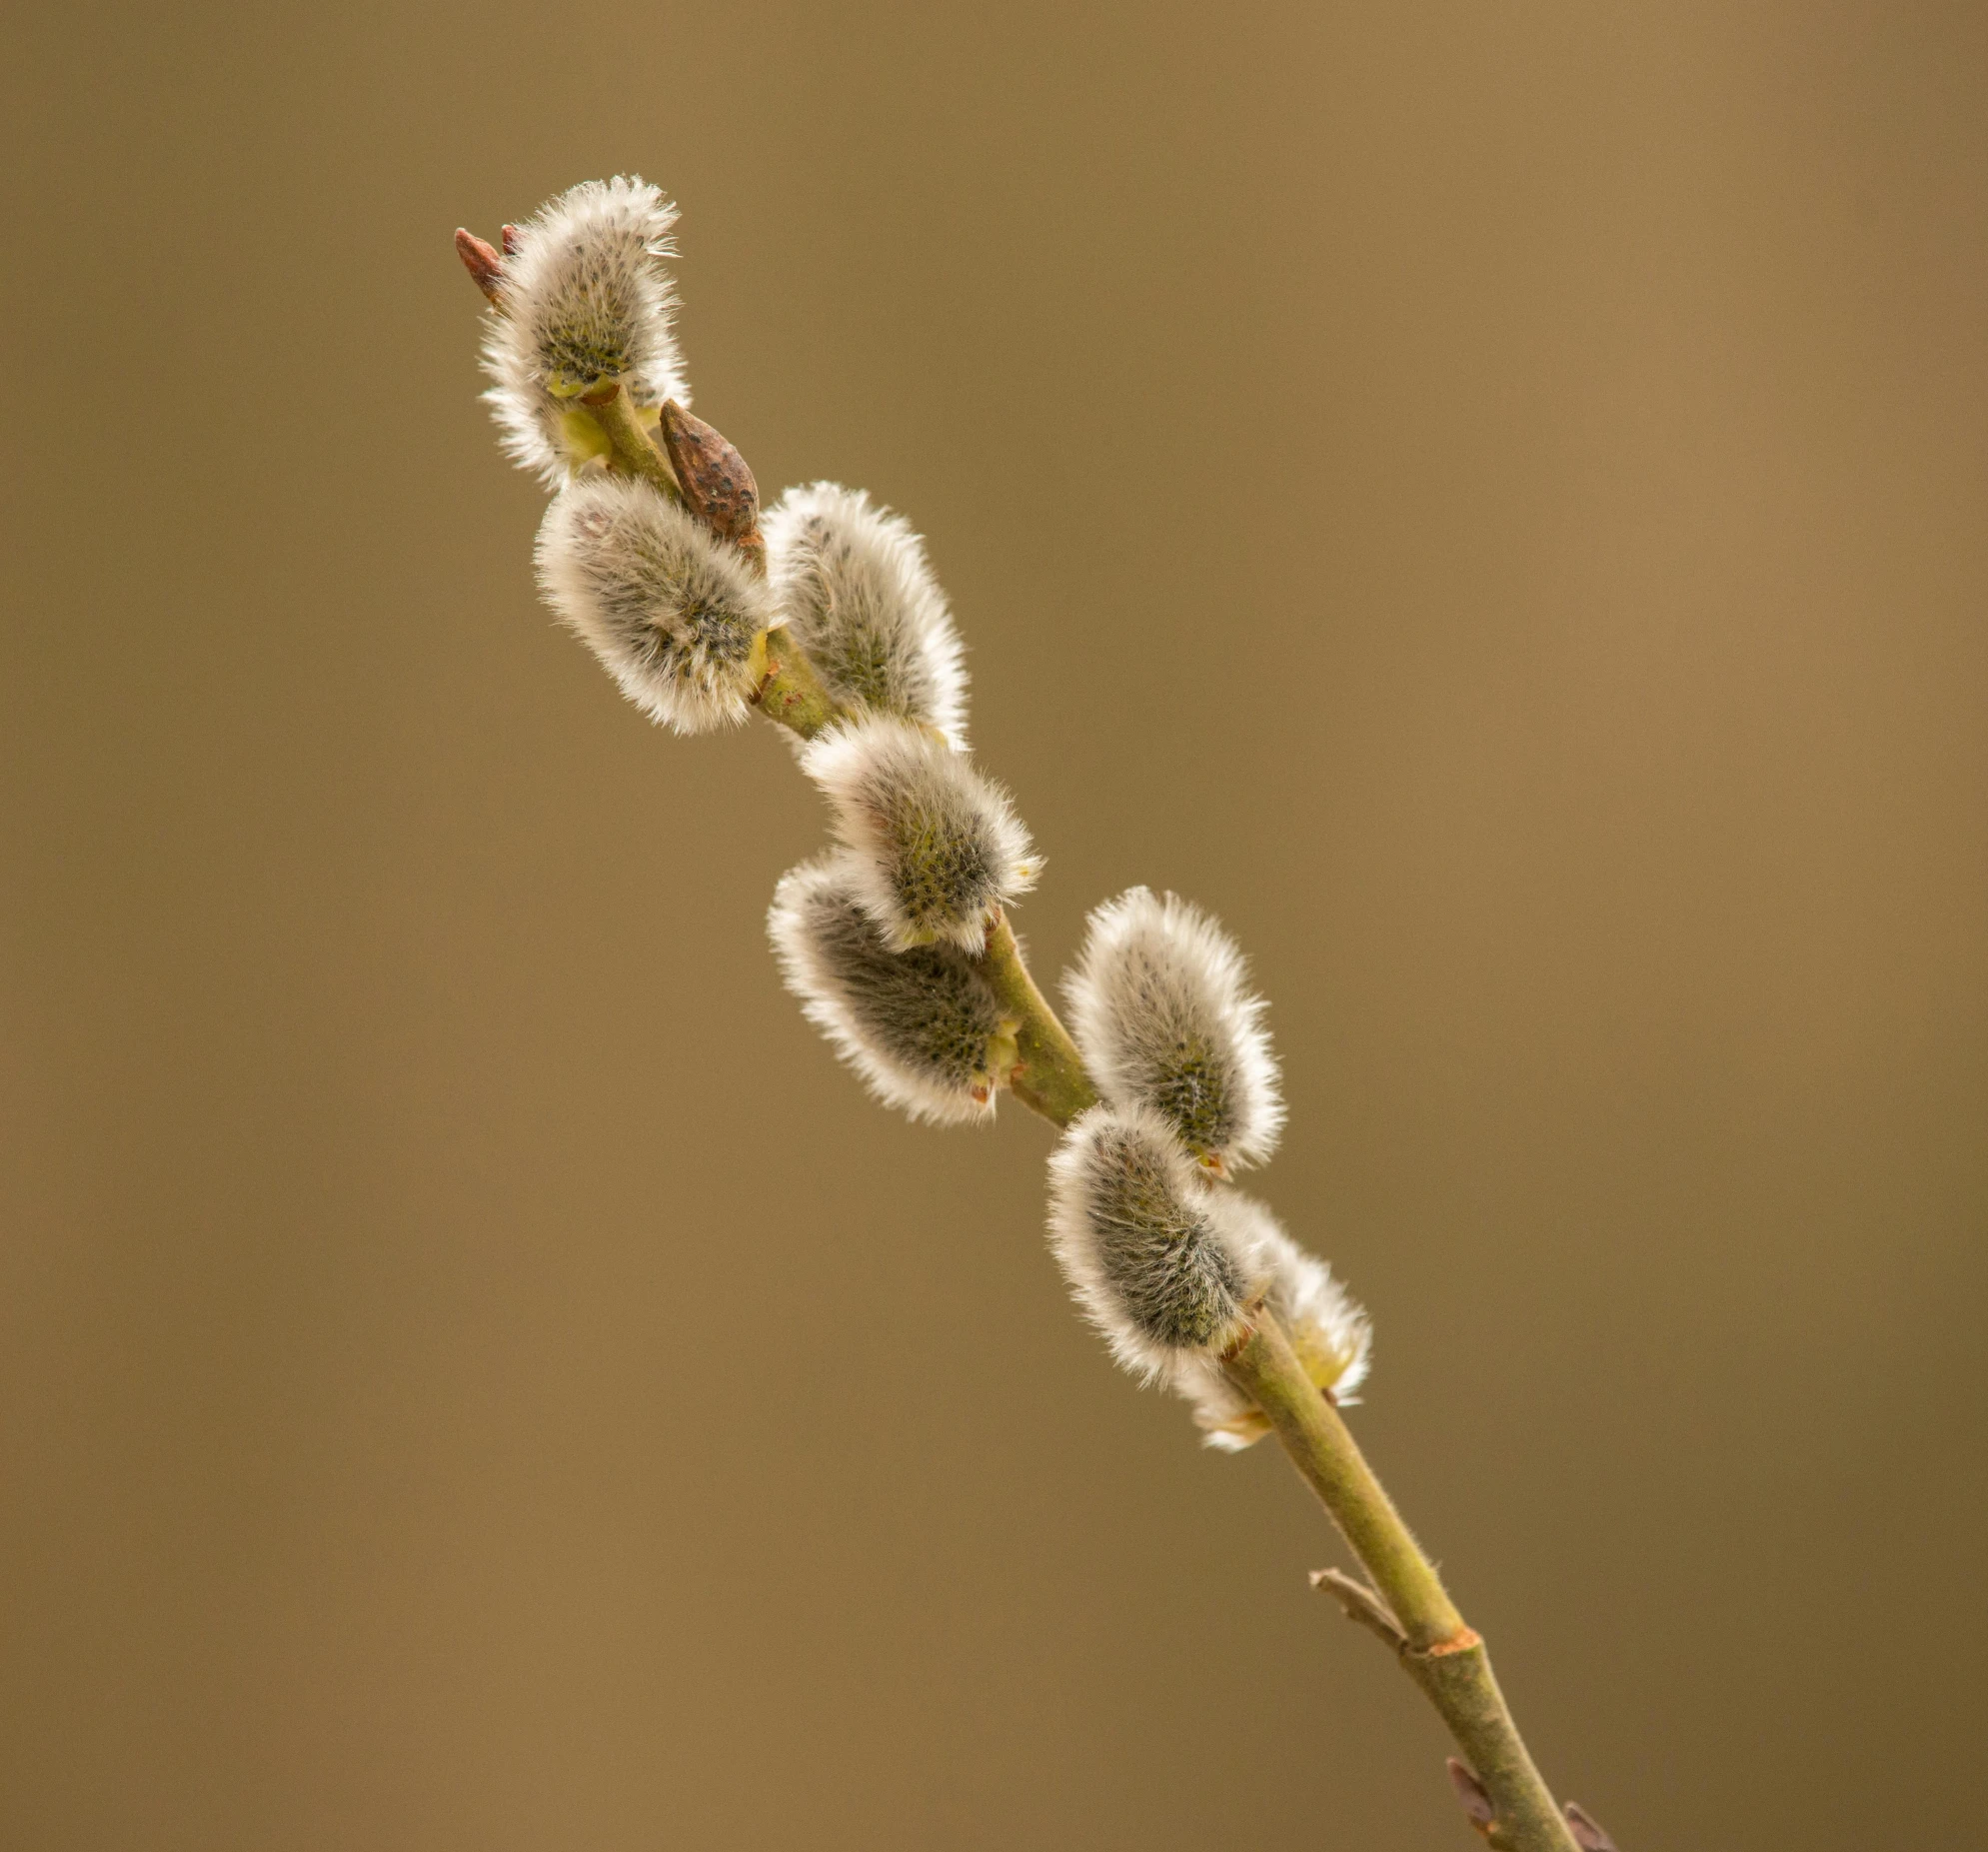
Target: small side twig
[1587, 1830]
[1362, 1606]
[1475, 1798]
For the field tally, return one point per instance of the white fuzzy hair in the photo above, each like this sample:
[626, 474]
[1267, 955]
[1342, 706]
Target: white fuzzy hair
[675, 615]
[1331, 1333]
[920, 1028]
[937, 845]
[1157, 1255]
[584, 299]
[1162, 1006]
[856, 587]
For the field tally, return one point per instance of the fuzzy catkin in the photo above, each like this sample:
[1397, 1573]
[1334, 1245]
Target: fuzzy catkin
[584, 299]
[1329, 1332]
[920, 1028]
[1157, 1258]
[855, 588]
[937, 846]
[1162, 1006]
[676, 616]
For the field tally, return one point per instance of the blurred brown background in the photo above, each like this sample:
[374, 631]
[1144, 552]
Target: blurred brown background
[1492, 500]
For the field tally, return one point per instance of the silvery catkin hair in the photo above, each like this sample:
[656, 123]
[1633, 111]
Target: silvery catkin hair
[1157, 1255]
[920, 1028]
[1162, 1006]
[676, 615]
[1328, 1330]
[583, 299]
[937, 845]
[856, 591]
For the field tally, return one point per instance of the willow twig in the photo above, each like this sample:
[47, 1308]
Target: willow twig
[1362, 1607]
[1406, 1606]
[1445, 1657]
[1049, 1076]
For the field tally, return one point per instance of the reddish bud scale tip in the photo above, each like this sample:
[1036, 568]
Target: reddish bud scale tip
[716, 481]
[486, 268]
[1587, 1829]
[511, 240]
[1471, 1791]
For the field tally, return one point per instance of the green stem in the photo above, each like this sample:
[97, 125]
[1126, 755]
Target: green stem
[1049, 1076]
[794, 694]
[1443, 1656]
[631, 450]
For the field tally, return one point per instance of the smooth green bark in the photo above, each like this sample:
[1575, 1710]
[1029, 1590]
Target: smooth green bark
[1049, 1075]
[631, 450]
[792, 693]
[1443, 1656]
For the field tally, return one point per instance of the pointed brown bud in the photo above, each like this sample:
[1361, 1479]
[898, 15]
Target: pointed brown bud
[1477, 1802]
[718, 487]
[1587, 1830]
[511, 240]
[486, 268]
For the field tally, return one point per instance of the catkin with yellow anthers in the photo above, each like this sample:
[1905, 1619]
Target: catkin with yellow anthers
[584, 302]
[1328, 1330]
[1158, 1258]
[1162, 1006]
[676, 616]
[920, 1028]
[936, 846]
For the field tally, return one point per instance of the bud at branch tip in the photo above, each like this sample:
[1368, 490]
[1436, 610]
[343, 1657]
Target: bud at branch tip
[486, 268]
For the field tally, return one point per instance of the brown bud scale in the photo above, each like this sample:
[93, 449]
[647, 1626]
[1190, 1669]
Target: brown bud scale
[716, 484]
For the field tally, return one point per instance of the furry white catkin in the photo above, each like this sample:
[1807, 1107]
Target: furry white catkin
[920, 1028]
[936, 844]
[858, 593]
[1162, 1006]
[584, 299]
[1158, 1258]
[675, 614]
[1328, 1330]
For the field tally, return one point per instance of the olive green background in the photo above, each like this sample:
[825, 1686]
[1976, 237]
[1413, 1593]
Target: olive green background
[1492, 501]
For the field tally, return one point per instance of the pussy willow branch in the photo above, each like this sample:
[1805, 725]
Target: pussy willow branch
[1407, 1605]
